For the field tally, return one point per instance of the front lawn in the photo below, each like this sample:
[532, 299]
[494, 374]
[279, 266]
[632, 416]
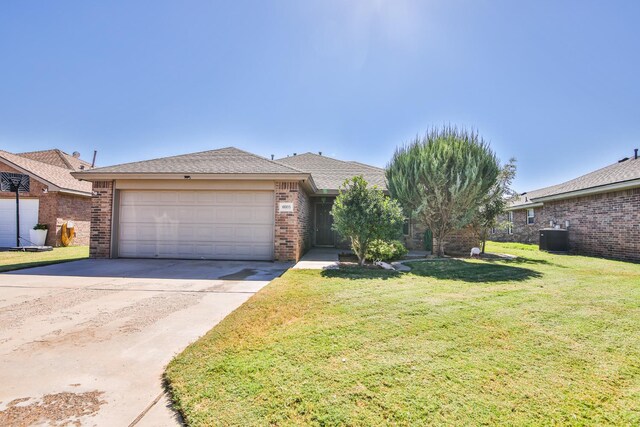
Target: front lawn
[17, 260]
[539, 340]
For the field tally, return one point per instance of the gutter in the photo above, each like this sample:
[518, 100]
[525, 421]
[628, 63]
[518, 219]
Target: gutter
[527, 206]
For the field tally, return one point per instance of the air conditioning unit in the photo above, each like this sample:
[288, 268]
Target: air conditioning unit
[554, 240]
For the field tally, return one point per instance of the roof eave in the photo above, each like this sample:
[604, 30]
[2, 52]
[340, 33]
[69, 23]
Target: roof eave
[102, 176]
[524, 206]
[607, 188]
[334, 192]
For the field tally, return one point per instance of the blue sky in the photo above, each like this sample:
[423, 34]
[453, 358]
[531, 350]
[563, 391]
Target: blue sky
[553, 83]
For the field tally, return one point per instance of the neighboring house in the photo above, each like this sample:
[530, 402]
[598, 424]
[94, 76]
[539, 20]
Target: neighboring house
[218, 204]
[600, 210]
[55, 196]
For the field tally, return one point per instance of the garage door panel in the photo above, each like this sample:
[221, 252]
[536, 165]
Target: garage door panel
[196, 224]
[28, 218]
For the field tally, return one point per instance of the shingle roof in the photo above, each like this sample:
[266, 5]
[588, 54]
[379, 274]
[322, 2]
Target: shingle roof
[618, 172]
[59, 177]
[330, 174]
[58, 158]
[228, 160]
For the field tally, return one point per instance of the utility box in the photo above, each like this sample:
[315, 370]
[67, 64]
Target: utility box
[554, 240]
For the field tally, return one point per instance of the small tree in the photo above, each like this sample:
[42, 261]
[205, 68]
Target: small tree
[363, 214]
[496, 202]
[443, 178]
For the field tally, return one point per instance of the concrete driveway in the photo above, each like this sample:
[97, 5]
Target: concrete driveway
[86, 342]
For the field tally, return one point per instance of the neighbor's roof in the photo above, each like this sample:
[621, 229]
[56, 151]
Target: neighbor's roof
[50, 174]
[228, 160]
[58, 158]
[330, 174]
[617, 173]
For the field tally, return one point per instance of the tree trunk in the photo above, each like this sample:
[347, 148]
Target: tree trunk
[440, 247]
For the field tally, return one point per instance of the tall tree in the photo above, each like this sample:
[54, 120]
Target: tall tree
[443, 178]
[363, 214]
[496, 202]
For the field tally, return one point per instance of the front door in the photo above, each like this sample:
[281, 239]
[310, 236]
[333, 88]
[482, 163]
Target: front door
[324, 221]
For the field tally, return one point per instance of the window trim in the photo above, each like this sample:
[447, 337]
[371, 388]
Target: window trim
[531, 219]
[510, 225]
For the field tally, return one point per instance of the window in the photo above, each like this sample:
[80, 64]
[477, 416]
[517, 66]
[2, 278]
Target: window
[510, 226]
[531, 216]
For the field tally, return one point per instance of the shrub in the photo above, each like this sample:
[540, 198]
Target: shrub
[363, 214]
[41, 227]
[381, 250]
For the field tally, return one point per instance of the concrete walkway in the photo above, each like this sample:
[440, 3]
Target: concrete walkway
[319, 259]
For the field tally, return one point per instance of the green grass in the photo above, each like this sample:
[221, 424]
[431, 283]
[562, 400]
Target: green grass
[539, 340]
[17, 260]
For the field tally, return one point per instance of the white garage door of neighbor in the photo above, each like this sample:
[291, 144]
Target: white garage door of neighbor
[28, 218]
[196, 224]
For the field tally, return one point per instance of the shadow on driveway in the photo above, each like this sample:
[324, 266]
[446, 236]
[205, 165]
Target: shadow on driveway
[162, 269]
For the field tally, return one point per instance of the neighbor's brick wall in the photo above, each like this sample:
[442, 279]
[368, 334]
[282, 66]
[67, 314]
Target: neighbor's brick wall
[76, 209]
[606, 225]
[101, 215]
[521, 231]
[292, 229]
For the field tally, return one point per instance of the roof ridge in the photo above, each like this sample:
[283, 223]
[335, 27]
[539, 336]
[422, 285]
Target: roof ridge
[230, 153]
[158, 158]
[268, 160]
[63, 155]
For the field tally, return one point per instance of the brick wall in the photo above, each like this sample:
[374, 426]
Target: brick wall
[292, 235]
[458, 242]
[101, 215]
[522, 231]
[606, 225]
[76, 209]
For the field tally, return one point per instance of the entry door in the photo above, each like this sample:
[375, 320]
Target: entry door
[324, 221]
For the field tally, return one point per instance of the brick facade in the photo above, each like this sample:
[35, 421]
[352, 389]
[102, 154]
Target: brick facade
[292, 237]
[458, 242]
[521, 230]
[55, 208]
[101, 216]
[76, 209]
[605, 225]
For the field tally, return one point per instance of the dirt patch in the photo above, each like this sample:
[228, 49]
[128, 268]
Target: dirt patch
[59, 409]
[132, 318]
[15, 315]
[240, 275]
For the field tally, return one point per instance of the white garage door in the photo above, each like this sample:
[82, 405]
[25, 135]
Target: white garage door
[28, 218]
[196, 224]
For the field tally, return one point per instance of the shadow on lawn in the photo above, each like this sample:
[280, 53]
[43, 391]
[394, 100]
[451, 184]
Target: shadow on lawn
[520, 260]
[446, 269]
[454, 269]
[355, 273]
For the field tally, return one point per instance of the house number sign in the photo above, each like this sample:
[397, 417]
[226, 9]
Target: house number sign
[285, 207]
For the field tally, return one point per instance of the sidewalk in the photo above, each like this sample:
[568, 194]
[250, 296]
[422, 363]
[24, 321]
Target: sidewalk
[319, 259]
